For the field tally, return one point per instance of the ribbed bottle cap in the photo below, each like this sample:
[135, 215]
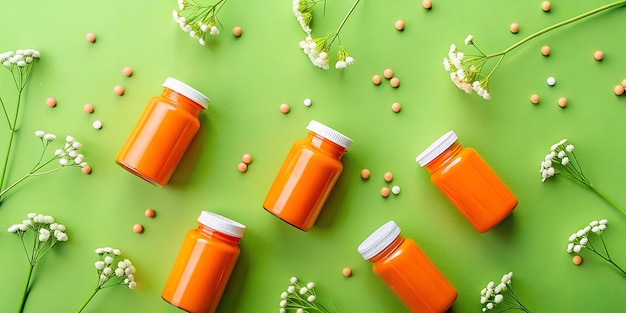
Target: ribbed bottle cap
[330, 134]
[187, 91]
[221, 224]
[379, 240]
[436, 148]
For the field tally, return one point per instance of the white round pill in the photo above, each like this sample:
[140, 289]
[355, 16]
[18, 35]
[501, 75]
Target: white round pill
[551, 81]
[307, 102]
[395, 190]
[97, 124]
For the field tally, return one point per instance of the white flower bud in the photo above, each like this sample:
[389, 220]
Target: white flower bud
[40, 133]
[283, 303]
[63, 161]
[311, 298]
[49, 137]
[498, 298]
[303, 290]
[291, 289]
[107, 271]
[132, 285]
[108, 260]
[99, 265]
[99, 251]
[119, 272]
[310, 285]
[117, 251]
[293, 280]
[13, 228]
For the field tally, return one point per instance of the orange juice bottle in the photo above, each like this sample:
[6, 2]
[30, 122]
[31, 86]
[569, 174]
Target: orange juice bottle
[468, 182]
[204, 264]
[407, 271]
[307, 176]
[164, 131]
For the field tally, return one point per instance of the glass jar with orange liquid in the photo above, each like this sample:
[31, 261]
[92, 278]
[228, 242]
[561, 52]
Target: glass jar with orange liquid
[163, 132]
[406, 270]
[468, 182]
[204, 263]
[307, 176]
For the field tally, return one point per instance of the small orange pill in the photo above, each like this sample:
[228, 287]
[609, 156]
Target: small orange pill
[138, 228]
[545, 50]
[376, 79]
[347, 272]
[619, 90]
[118, 90]
[562, 102]
[149, 213]
[246, 158]
[399, 25]
[534, 99]
[577, 260]
[284, 108]
[388, 73]
[242, 167]
[427, 4]
[91, 37]
[394, 82]
[86, 169]
[237, 31]
[51, 102]
[127, 71]
[396, 107]
[514, 28]
[546, 6]
[388, 177]
[385, 192]
[88, 108]
[598, 55]
[365, 173]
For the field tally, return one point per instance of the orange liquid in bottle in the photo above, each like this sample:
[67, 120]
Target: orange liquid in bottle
[307, 177]
[407, 271]
[165, 129]
[205, 261]
[468, 182]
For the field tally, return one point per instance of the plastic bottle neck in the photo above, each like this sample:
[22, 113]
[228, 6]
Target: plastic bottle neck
[214, 234]
[393, 246]
[182, 101]
[444, 157]
[325, 145]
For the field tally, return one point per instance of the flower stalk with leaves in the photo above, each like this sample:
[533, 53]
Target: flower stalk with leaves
[46, 234]
[562, 161]
[494, 295]
[318, 49]
[67, 157]
[580, 240]
[197, 19]
[466, 71]
[20, 64]
[110, 275]
[300, 298]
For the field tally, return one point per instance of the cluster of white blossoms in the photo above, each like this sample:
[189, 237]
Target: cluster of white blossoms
[559, 155]
[578, 240]
[197, 20]
[68, 156]
[492, 295]
[465, 70]
[299, 297]
[303, 10]
[124, 272]
[43, 225]
[318, 49]
[19, 58]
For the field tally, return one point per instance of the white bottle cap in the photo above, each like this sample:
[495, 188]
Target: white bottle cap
[330, 134]
[379, 240]
[436, 148]
[221, 224]
[187, 91]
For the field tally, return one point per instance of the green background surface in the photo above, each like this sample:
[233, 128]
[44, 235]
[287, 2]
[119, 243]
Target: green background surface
[247, 78]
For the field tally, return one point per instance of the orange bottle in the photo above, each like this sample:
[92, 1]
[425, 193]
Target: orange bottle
[307, 176]
[204, 264]
[468, 182]
[407, 271]
[164, 131]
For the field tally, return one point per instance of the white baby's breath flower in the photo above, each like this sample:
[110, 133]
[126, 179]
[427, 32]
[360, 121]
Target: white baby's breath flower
[469, 40]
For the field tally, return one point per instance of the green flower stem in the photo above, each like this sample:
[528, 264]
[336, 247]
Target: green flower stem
[607, 199]
[608, 259]
[33, 172]
[26, 291]
[89, 299]
[547, 29]
[12, 129]
[344, 22]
